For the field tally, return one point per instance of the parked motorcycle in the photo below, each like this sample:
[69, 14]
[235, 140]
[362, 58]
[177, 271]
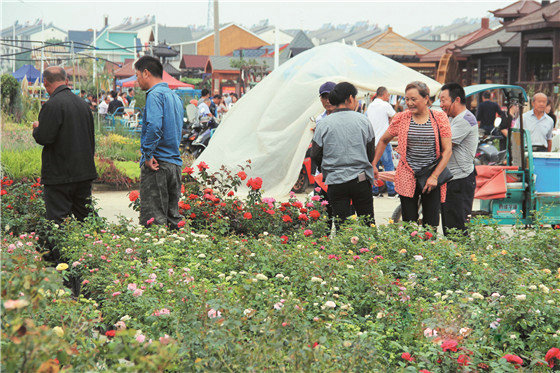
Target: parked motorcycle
[203, 139]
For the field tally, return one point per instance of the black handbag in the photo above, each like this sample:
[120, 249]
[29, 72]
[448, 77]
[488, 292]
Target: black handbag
[425, 172]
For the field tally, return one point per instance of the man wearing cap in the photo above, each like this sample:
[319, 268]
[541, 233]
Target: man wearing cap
[379, 114]
[324, 91]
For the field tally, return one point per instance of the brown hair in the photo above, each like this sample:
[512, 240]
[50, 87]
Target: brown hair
[421, 87]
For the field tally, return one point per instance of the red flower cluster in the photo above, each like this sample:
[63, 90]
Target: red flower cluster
[406, 356]
[242, 175]
[202, 166]
[133, 195]
[514, 359]
[255, 183]
[188, 170]
[110, 333]
[463, 360]
[553, 353]
[449, 345]
[248, 215]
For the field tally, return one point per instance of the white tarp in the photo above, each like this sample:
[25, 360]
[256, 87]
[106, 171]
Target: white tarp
[270, 125]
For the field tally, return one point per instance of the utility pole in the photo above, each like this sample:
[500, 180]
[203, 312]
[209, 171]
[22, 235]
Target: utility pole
[14, 49]
[216, 29]
[73, 65]
[276, 48]
[94, 56]
[42, 52]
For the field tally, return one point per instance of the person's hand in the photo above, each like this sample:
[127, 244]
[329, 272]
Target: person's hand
[375, 173]
[35, 124]
[431, 184]
[152, 164]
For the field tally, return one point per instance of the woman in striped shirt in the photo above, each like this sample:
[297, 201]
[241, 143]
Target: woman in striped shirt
[423, 136]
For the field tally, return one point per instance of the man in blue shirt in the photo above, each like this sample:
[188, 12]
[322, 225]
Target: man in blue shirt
[160, 176]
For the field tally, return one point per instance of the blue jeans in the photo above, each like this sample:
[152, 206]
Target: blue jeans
[387, 162]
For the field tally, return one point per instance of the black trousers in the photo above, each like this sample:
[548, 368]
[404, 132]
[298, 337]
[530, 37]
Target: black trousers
[458, 203]
[159, 194]
[342, 197]
[430, 206]
[63, 200]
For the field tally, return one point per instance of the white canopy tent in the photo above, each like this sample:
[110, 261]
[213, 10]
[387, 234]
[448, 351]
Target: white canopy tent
[271, 124]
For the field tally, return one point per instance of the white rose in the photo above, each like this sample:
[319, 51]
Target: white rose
[260, 276]
[521, 297]
[477, 296]
[330, 304]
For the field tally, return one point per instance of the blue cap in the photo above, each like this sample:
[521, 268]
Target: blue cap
[326, 87]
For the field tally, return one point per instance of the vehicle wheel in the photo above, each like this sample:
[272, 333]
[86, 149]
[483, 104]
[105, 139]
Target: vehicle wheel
[301, 183]
[396, 217]
[197, 152]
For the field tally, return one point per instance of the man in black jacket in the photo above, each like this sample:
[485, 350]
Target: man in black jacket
[65, 129]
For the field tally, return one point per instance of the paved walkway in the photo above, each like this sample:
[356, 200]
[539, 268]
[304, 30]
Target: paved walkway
[113, 204]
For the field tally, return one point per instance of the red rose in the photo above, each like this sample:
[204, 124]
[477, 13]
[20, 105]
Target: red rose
[242, 175]
[463, 360]
[255, 183]
[307, 232]
[287, 219]
[3, 192]
[270, 212]
[247, 215]
[553, 353]
[181, 224]
[406, 356]
[110, 333]
[193, 196]
[315, 214]
[230, 193]
[184, 206]
[428, 235]
[133, 195]
[424, 371]
[514, 359]
[188, 170]
[449, 345]
[303, 217]
[284, 239]
[202, 166]
[193, 215]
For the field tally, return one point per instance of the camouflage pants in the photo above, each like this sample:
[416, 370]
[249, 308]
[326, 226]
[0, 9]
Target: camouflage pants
[159, 194]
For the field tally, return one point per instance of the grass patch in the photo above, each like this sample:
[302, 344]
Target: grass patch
[129, 168]
[19, 164]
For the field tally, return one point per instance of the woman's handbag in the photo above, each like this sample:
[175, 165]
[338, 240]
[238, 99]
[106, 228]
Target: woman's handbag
[425, 172]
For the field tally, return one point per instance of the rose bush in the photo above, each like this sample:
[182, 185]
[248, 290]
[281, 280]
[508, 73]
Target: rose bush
[219, 296]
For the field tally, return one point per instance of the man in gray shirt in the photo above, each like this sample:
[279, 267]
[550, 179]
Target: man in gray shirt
[464, 136]
[539, 124]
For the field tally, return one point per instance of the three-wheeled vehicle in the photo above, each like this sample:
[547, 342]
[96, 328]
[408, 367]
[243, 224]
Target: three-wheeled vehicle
[525, 190]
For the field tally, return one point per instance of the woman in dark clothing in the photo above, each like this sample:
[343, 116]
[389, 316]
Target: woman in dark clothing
[548, 110]
[343, 145]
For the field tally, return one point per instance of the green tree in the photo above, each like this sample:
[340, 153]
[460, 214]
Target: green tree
[10, 93]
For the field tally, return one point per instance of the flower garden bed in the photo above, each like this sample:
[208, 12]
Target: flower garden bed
[251, 284]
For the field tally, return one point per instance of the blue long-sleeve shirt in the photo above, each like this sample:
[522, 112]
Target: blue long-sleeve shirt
[162, 125]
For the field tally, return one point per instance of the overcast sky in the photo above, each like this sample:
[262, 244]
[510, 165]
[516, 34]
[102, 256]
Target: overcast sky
[404, 16]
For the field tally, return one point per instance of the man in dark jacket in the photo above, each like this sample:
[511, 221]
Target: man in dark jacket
[65, 129]
[115, 104]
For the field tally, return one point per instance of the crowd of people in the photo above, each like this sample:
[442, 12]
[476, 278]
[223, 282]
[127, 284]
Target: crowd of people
[437, 149]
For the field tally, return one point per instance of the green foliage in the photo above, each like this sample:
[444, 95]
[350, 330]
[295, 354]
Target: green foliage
[218, 301]
[22, 164]
[10, 93]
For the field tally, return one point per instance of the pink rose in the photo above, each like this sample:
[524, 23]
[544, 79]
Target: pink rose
[140, 338]
[131, 287]
[138, 292]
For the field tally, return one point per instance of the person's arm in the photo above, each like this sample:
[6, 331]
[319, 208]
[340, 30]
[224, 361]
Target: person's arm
[549, 145]
[154, 125]
[50, 121]
[549, 137]
[381, 145]
[370, 144]
[316, 154]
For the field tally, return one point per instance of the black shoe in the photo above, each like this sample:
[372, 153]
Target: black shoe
[392, 195]
[377, 195]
